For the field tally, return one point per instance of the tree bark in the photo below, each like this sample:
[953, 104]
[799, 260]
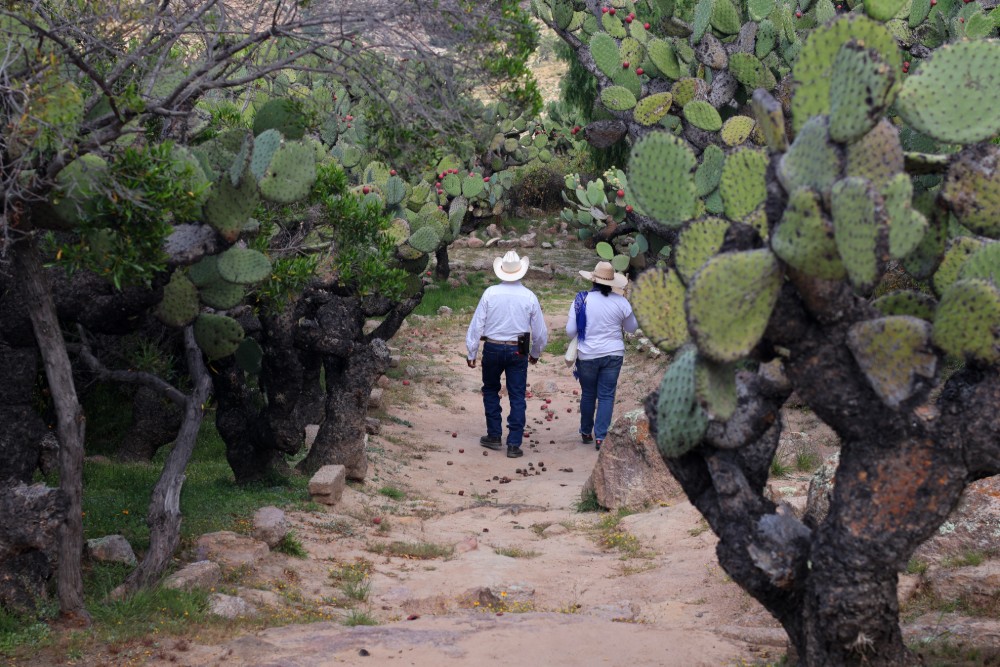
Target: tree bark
[349, 382]
[70, 426]
[242, 423]
[164, 517]
[443, 268]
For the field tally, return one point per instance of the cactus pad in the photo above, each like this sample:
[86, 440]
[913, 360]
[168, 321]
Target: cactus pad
[859, 231]
[285, 116]
[945, 97]
[877, 156]
[894, 353]
[770, 120]
[742, 186]
[960, 249]
[730, 301]
[736, 130]
[967, 321]
[687, 89]
[804, 238]
[680, 421]
[205, 271]
[703, 116]
[426, 239]
[658, 300]
[972, 189]
[291, 174]
[709, 173]
[661, 52]
[180, 301]
[906, 226]
[394, 191]
[883, 10]
[452, 185]
[78, 188]
[859, 91]
[812, 161]
[265, 145]
[217, 335]
[660, 174]
[983, 264]
[812, 73]
[699, 241]
[222, 294]
[228, 208]
[715, 388]
[751, 72]
[605, 52]
[243, 266]
[702, 18]
[650, 110]
[922, 262]
[760, 9]
[767, 38]
[726, 17]
[617, 98]
[907, 302]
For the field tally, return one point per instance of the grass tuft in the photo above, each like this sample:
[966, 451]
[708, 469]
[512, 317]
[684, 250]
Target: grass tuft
[291, 545]
[358, 617]
[413, 550]
[515, 552]
[588, 503]
[392, 492]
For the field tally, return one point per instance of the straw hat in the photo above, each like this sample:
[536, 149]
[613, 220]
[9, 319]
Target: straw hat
[510, 267]
[605, 274]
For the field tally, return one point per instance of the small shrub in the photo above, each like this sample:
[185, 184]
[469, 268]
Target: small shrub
[806, 460]
[588, 503]
[515, 552]
[291, 545]
[416, 550]
[779, 468]
[392, 492]
[357, 617]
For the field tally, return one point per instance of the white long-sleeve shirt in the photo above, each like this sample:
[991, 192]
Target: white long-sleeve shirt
[506, 311]
[606, 316]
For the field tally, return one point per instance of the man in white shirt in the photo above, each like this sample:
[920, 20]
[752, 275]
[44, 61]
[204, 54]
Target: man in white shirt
[506, 312]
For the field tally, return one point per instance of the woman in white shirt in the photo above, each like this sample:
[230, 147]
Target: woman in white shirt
[596, 319]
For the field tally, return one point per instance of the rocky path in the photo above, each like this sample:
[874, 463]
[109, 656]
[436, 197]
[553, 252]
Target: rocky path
[477, 562]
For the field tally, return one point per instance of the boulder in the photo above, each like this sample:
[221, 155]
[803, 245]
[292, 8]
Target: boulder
[30, 517]
[230, 549]
[528, 240]
[372, 426]
[375, 399]
[111, 549]
[230, 606]
[973, 526]
[200, 574]
[327, 485]
[474, 242]
[630, 473]
[270, 525]
[978, 582]
[493, 231]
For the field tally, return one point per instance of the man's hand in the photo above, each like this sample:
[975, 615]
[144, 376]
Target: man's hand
[532, 360]
[471, 363]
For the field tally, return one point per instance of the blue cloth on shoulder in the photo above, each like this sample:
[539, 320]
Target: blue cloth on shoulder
[579, 307]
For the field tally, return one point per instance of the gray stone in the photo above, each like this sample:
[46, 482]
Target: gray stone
[383, 381]
[260, 598]
[394, 361]
[375, 398]
[493, 231]
[820, 491]
[229, 606]
[311, 431]
[444, 310]
[372, 426]
[474, 242]
[230, 549]
[111, 549]
[546, 245]
[630, 473]
[974, 525]
[327, 485]
[30, 517]
[270, 525]
[528, 240]
[201, 574]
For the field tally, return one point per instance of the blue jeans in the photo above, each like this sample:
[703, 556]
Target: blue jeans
[499, 360]
[598, 382]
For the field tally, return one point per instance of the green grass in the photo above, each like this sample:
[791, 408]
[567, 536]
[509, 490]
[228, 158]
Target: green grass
[291, 545]
[916, 566]
[357, 617]
[779, 468]
[415, 550]
[558, 342]
[588, 503]
[515, 552]
[463, 298]
[967, 559]
[806, 460]
[116, 495]
[392, 492]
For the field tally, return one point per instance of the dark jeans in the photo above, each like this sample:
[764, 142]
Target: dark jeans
[598, 382]
[499, 360]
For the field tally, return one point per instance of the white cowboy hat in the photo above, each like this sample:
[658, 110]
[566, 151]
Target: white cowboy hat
[510, 267]
[605, 274]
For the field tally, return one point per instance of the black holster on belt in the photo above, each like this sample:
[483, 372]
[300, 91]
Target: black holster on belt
[524, 344]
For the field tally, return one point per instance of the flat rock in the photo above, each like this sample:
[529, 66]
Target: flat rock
[230, 606]
[554, 530]
[977, 581]
[327, 485]
[230, 549]
[200, 574]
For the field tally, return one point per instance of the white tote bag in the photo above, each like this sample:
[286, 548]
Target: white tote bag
[571, 353]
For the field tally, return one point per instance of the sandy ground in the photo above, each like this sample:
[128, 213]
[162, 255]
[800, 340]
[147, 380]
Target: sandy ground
[529, 580]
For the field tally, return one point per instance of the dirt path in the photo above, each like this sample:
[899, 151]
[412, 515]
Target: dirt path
[528, 579]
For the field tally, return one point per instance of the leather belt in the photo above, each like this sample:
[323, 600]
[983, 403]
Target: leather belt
[501, 342]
